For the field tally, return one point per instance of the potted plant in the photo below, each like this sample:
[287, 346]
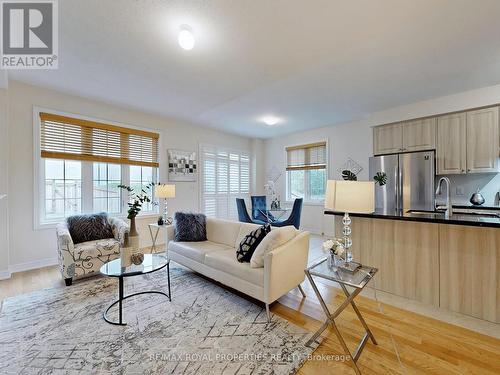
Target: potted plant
[137, 199]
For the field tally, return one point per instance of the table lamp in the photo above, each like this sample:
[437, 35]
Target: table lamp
[165, 192]
[350, 197]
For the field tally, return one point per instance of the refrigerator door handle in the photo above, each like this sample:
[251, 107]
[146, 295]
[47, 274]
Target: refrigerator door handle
[400, 184]
[396, 179]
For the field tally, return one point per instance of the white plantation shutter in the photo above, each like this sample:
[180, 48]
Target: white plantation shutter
[225, 177]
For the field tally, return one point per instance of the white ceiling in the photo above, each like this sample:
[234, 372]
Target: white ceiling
[313, 62]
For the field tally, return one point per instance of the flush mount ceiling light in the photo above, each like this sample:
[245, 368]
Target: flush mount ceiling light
[271, 120]
[186, 38]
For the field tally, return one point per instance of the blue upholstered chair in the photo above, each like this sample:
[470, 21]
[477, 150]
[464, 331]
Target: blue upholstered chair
[294, 218]
[259, 205]
[243, 215]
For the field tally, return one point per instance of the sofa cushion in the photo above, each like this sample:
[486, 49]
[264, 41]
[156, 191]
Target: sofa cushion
[190, 227]
[250, 242]
[245, 228]
[226, 262]
[197, 250]
[98, 248]
[222, 231]
[92, 227]
[278, 237]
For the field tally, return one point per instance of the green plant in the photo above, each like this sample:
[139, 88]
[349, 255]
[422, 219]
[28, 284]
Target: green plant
[380, 178]
[348, 175]
[138, 199]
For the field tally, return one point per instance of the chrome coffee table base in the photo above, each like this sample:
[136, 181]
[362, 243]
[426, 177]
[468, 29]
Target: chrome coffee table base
[330, 321]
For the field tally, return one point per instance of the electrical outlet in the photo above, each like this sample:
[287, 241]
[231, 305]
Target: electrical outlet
[460, 190]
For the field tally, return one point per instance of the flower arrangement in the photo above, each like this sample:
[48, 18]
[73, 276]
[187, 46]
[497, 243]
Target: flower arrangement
[336, 249]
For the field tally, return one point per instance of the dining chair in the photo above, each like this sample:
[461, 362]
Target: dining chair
[243, 215]
[242, 211]
[259, 205]
[294, 218]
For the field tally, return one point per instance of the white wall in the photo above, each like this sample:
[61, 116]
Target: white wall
[354, 140]
[31, 248]
[4, 178]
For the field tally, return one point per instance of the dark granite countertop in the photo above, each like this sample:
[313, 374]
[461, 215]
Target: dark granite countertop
[431, 217]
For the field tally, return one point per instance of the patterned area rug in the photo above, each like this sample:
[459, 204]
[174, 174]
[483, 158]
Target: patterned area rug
[204, 330]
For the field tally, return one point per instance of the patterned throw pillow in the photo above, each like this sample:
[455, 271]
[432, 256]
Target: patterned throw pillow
[250, 242]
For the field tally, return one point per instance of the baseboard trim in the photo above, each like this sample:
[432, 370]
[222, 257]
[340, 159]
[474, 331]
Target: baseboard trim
[4, 275]
[20, 267]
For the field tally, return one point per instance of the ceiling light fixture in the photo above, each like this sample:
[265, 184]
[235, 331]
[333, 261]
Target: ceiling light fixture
[186, 38]
[271, 120]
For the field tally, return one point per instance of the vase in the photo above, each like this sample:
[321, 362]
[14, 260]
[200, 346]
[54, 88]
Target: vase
[133, 230]
[335, 260]
[133, 238]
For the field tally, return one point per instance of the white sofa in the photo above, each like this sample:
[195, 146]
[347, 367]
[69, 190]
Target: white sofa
[216, 258]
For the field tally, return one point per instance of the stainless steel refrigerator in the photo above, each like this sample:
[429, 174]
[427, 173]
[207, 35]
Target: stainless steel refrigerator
[410, 181]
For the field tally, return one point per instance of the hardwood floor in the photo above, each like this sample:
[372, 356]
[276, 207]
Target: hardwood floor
[409, 343]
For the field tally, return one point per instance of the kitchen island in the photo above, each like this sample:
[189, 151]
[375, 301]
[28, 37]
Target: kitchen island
[452, 263]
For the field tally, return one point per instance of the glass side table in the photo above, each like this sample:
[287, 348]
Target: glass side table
[358, 281]
[154, 230]
[274, 214]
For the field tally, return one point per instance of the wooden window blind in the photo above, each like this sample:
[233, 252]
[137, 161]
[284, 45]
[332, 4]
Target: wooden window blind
[310, 156]
[64, 137]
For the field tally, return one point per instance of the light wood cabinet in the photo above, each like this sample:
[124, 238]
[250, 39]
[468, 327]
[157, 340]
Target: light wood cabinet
[415, 135]
[455, 267]
[419, 135]
[451, 144]
[388, 139]
[468, 142]
[470, 270]
[406, 254]
[482, 140]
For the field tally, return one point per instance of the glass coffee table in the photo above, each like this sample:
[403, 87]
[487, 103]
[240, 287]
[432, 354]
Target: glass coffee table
[357, 280]
[151, 263]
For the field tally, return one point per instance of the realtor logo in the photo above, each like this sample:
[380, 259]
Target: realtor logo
[29, 37]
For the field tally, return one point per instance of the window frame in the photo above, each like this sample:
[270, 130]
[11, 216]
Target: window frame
[87, 173]
[230, 194]
[307, 191]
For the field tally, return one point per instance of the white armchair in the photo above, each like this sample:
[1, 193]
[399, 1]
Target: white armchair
[85, 258]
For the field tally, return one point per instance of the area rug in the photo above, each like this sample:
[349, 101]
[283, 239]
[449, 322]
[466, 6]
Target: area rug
[206, 329]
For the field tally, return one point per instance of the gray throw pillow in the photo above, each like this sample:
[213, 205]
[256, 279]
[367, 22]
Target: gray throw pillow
[190, 227]
[83, 228]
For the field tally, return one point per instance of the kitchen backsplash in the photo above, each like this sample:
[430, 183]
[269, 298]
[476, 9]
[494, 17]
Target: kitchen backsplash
[463, 186]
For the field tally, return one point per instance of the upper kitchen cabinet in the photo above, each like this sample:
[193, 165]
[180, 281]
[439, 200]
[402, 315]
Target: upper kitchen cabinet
[388, 139]
[468, 142]
[482, 140]
[419, 135]
[415, 135]
[451, 144]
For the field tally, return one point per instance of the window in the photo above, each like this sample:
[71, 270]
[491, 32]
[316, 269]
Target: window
[139, 178]
[106, 193]
[83, 162]
[306, 172]
[225, 177]
[63, 188]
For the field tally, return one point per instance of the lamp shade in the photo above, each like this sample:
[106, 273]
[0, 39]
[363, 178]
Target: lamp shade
[350, 196]
[165, 191]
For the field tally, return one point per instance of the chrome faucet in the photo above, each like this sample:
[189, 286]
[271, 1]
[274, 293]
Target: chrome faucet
[448, 208]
